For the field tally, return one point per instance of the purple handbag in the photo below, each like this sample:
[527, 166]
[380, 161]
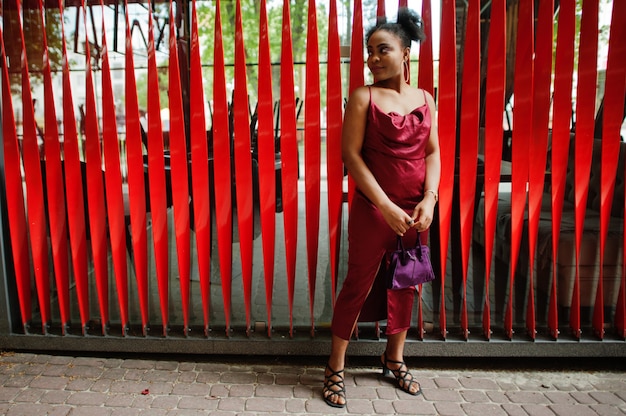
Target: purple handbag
[409, 267]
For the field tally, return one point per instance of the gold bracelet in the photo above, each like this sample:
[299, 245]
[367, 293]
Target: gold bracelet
[435, 194]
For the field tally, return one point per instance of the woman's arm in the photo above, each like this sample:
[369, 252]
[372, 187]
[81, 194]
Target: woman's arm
[353, 134]
[423, 212]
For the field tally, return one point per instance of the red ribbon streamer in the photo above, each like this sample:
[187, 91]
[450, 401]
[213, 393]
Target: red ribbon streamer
[357, 78]
[447, 138]
[243, 163]
[334, 164]
[312, 153]
[289, 151]
[539, 142]
[523, 88]
[55, 188]
[178, 154]
[267, 172]
[585, 110]
[136, 181]
[95, 190]
[157, 180]
[34, 190]
[74, 189]
[15, 197]
[494, 104]
[222, 169]
[563, 76]
[200, 170]
[612, 120]
[425, 77]
[468, 148]
[113, 183]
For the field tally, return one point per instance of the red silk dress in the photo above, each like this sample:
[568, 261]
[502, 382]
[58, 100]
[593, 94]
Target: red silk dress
[394, 149]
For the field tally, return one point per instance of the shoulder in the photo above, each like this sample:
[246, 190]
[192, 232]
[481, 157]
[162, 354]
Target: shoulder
[359, 99]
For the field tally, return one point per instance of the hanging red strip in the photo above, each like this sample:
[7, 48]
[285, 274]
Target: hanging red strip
[289, 157]
[200, 170]
[136, 181]
[312, 154]
[74, 176]
[615, 91]
[334, 164]
[243, 163]
[425, 81]
[538, 143]
[380, 9]
[585, 115]
[180, 177]
[113, 183]
[562, 108]
[494, 107]
[55, 188]
[222, 169]
[468, 147]
[15, 196]
[447, 139]
[267, 162]
[95, 190]
[157, 180]
[523, 87]
[357, 77]
[425, 69]
[34, 190]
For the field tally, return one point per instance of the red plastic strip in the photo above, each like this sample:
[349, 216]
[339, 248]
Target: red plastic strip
[447, 115]
[222, 169]
[289, 152]
[425, 76]
[539, 143]
[585, 115]
[180, 177]
[136, 181]
[74, 189]
[34, 191]
[243, 163]
[523, 87]
[95, 190]
[494, 104]
[357, 77]
[425, 80]
[334, 164]
[55, 188]
[312, 154]
[15, 196]
[380, 9]
[468, 147]
[403, 3]
[562, 108]
[613, 116]
[113, 183]
[157, 180]
[267, 162]
[200, 170]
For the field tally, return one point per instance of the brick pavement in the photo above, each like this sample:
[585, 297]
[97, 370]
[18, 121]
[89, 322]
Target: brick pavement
[42, 384]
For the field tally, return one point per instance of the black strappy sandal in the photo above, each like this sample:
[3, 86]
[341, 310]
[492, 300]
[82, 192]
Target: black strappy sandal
[334, 379]
[404, 378]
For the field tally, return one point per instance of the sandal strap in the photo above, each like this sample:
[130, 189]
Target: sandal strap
[402, 375]
[338, 381]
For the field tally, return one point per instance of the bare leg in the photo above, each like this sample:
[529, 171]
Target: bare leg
[393, 359]
[336, 362]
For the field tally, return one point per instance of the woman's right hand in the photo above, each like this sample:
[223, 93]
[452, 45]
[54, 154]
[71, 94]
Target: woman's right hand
[399, 221]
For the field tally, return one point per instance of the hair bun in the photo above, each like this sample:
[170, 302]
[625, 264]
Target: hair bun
[411, 23]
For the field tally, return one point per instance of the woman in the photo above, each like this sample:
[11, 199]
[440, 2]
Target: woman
[391, 149]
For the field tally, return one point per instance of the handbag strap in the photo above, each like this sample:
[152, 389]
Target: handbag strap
[418, 241]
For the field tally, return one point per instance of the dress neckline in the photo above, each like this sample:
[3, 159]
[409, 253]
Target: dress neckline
[395, 113]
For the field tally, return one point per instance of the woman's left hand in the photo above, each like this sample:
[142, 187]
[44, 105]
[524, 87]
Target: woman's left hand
[423, 215]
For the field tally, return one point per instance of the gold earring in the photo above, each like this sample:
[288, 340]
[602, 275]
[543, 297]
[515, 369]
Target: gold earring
[407, 73]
